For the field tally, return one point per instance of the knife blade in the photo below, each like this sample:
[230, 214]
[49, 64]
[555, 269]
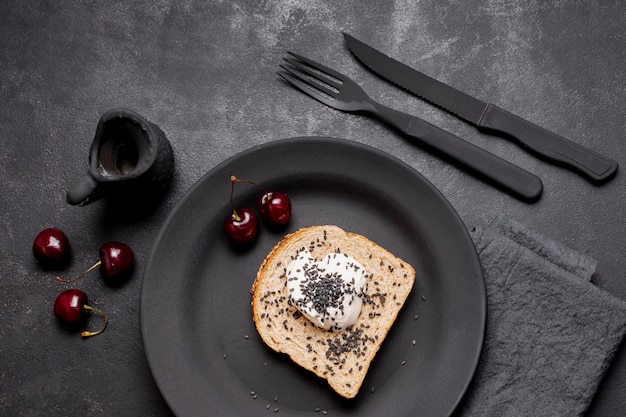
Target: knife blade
[487, 117]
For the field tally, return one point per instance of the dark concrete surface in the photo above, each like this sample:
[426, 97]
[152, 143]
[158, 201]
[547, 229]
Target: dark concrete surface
[204, 71]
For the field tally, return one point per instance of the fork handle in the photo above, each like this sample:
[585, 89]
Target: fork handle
[487, 166]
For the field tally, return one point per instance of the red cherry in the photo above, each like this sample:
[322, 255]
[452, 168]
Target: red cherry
[275, 208]
[71, 306]
[116, 259]
[51, 247]
[242, 226]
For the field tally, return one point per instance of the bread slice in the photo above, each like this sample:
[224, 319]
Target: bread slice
[342, 357]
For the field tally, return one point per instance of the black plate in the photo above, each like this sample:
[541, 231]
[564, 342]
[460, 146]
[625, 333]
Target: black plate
[200, 341]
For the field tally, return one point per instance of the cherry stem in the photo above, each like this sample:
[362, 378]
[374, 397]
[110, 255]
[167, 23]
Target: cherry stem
[104, 326]
[235, 179]
[94, 266]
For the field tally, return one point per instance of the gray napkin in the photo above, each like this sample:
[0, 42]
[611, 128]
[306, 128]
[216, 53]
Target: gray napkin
[550, 333]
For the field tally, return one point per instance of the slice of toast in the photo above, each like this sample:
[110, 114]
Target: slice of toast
[342, 357]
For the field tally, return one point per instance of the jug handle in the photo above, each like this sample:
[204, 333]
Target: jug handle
[83, 192]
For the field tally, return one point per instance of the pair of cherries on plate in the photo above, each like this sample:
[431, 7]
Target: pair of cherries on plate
[51, 248]
[242, 226]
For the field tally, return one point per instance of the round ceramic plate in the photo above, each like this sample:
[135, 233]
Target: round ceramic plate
[197, 327]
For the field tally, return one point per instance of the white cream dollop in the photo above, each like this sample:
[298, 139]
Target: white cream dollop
[328, 292]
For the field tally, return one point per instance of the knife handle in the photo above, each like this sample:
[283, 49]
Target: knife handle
[511, 178]
[590, 164]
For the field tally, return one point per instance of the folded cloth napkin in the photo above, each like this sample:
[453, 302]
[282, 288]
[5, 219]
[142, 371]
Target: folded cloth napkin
[550, 332]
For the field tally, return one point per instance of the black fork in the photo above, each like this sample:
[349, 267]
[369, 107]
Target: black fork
[340, 92]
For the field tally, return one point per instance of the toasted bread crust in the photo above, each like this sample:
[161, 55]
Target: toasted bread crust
[342, 357]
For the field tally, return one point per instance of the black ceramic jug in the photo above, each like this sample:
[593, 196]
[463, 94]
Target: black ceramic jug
[129, 156]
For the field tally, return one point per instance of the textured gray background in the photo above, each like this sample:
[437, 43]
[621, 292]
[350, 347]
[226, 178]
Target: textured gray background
[204, 71]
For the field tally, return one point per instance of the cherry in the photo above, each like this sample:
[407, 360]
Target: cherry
[116, 259]
[242, 226]
[51, 247]
[274, 206]
[71, 306]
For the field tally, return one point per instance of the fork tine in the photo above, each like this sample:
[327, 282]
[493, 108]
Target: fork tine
[306, 87]
[318, 66]
[321, 72]
[313, 82]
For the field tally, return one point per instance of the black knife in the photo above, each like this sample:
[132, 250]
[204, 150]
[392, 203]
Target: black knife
[486, 116]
